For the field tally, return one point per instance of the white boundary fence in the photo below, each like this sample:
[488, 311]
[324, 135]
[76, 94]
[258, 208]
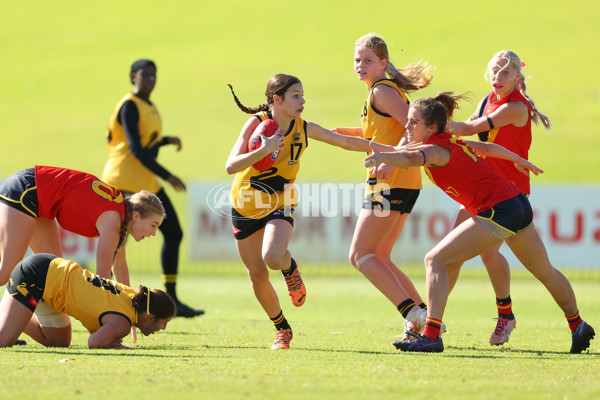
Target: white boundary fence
[567, 218]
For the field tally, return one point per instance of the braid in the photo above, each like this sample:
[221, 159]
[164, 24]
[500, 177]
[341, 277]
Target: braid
[535, 113]
[262, 107]
[126, 219]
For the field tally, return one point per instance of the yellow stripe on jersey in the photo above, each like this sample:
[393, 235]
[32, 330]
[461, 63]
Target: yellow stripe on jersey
[123, 170]
[383, 128]
[256, 194]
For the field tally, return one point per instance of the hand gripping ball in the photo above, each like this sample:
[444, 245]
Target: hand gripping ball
[268, 128]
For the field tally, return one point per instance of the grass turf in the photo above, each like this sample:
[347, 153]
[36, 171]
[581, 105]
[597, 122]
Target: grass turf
[341, 349]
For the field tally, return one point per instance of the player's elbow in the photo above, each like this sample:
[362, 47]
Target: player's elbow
[230, 169]
[95, 342]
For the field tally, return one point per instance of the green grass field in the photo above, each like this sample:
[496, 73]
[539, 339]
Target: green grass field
[64, 66]
[341, 350]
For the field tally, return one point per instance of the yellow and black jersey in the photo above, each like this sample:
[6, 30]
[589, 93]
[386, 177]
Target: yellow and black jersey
[383, 128]
[255, 194]
[123, 169]
[84, 295]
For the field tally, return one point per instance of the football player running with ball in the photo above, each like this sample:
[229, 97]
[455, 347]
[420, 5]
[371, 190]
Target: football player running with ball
[263, 201]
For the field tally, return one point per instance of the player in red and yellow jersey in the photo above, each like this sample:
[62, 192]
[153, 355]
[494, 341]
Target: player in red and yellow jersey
[391, 192]
[32, 199]
[500, 212]
[503, 117]
[134, 138]
[56, 288]
[263, 201]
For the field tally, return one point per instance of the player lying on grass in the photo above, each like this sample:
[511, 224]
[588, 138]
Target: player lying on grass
[60, 288]
[500, 213]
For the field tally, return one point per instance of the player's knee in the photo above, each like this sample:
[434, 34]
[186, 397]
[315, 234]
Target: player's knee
[491, 256]
[58, 342]
[360, 261]
[275, 260]
[6, 342]
[431, 260]
[544, 275]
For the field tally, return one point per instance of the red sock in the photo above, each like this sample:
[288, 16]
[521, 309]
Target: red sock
[574, 321]
[504, 308]
[432, 328]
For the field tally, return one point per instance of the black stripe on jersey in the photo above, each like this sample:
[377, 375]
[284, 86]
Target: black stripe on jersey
[289, 130]
[483, 136]
[306, 133]
[112, 312]
[372, 106]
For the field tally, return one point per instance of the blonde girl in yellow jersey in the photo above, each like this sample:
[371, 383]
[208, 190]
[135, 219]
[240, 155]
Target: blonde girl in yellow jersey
[391, 192]
[263, 202]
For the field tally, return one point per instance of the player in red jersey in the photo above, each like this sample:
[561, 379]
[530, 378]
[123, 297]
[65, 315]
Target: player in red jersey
[31, 200]
[503, 117]
[500, 213]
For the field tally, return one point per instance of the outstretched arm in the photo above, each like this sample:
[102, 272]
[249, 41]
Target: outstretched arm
[428, 155]
[349, 131]
[497, 151]
[353, 143]
[515, 113]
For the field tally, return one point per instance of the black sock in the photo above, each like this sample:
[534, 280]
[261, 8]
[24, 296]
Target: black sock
[170, 289]
[406, 306]
[280, 322]
[291, 269]
[423, 306]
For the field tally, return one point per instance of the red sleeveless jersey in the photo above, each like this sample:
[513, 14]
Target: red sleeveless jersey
[468, 178]
[513, 138]
[76, 199]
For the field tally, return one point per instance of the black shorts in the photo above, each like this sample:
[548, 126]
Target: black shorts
[28, 279]
[244, 227]
[397, 199]
[19, 191]
[508, 217]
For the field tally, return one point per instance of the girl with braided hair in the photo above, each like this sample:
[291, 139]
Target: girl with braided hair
[263, 201]
[56, 288]
[503, 117]
[33, 200]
